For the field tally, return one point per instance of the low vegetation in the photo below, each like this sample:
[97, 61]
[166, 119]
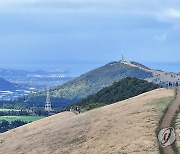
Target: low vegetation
[119, 91]
[6, 125]
[87, 84]
[11, 118]
[6, 110]
[21, 118]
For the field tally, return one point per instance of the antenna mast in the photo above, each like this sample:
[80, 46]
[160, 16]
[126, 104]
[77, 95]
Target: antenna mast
[48, 102]
[122, 57]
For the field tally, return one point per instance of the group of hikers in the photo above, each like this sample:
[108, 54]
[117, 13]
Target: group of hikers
[77, 109]
[171, 84]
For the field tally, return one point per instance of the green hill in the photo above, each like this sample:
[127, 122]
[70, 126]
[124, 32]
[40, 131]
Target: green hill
[88, 83]
[97, 79]
[124, 89]
[93, 81]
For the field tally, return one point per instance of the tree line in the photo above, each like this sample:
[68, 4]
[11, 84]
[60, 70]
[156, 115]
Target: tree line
[5, 125]
[32, 112]
[124, 89]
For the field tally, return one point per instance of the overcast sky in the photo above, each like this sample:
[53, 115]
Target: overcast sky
[72, 31]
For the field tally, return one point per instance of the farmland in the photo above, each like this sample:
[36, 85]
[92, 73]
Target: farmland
[6, 110]
[11, 118]
[22, 118]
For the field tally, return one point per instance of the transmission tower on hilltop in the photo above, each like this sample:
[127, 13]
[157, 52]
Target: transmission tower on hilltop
[122, 57]
[48, 102]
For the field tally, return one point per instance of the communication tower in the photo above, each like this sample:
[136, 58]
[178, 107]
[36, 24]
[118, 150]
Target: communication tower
[48, 102]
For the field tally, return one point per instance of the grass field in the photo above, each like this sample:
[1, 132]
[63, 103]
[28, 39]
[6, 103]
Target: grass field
[162, 103]
[6, 110]
[22, 118]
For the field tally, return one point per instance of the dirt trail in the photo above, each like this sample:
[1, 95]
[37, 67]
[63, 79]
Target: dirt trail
[169, 117]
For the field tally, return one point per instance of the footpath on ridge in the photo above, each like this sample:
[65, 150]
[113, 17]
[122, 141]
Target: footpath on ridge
[168, 117]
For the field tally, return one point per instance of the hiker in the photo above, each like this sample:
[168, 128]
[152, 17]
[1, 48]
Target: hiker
[167, 85]
[78, 109]
[170, 84]
[71, 109]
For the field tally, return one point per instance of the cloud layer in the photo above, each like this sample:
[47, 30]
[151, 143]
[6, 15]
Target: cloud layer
[89, 29]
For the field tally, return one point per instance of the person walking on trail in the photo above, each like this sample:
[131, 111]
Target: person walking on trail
[170, 84]
[71, 109]
[78, 109]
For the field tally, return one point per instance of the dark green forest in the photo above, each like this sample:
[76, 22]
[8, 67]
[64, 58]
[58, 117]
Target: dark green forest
[58, 104]
[124, 89]
[5, 125]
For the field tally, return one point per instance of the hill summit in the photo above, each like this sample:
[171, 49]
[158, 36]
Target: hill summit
[104, 76]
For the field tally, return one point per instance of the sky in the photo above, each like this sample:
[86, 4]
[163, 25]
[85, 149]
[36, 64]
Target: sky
[79, 35]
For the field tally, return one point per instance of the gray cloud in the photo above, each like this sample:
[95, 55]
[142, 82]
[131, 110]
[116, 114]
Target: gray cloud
[94, 26]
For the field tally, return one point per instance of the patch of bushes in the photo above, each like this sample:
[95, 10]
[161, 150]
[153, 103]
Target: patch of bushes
[124, 89]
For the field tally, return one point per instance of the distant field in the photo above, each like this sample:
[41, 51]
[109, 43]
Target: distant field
[6, 110]
[23, 118]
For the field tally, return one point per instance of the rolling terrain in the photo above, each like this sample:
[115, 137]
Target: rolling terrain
[10, 90]
[18, 83]
[124, 89]
[124, 127]
[6, 85]
[38, 80]
[104, 76]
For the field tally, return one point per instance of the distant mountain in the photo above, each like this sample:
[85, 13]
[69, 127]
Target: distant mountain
[6, 85]
[89, 83]
[124, 89]
[93, 81]
[36, 79]
[12, 72]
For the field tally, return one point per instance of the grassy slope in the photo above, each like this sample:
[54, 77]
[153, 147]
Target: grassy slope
[96, 79]
[91, 82]
[177, 128]
[125, 127]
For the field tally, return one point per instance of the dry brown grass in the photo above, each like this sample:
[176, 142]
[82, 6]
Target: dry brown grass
[177, 131]
[125, 127]
[163, 77]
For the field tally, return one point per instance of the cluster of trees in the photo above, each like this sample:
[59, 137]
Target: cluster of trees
[15, 113]
[29, 102]
[32, 112]
[5, 125]
[40, 112]
[14, 104]
[124, 89]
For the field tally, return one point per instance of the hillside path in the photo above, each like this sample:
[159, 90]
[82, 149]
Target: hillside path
[168, 119]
